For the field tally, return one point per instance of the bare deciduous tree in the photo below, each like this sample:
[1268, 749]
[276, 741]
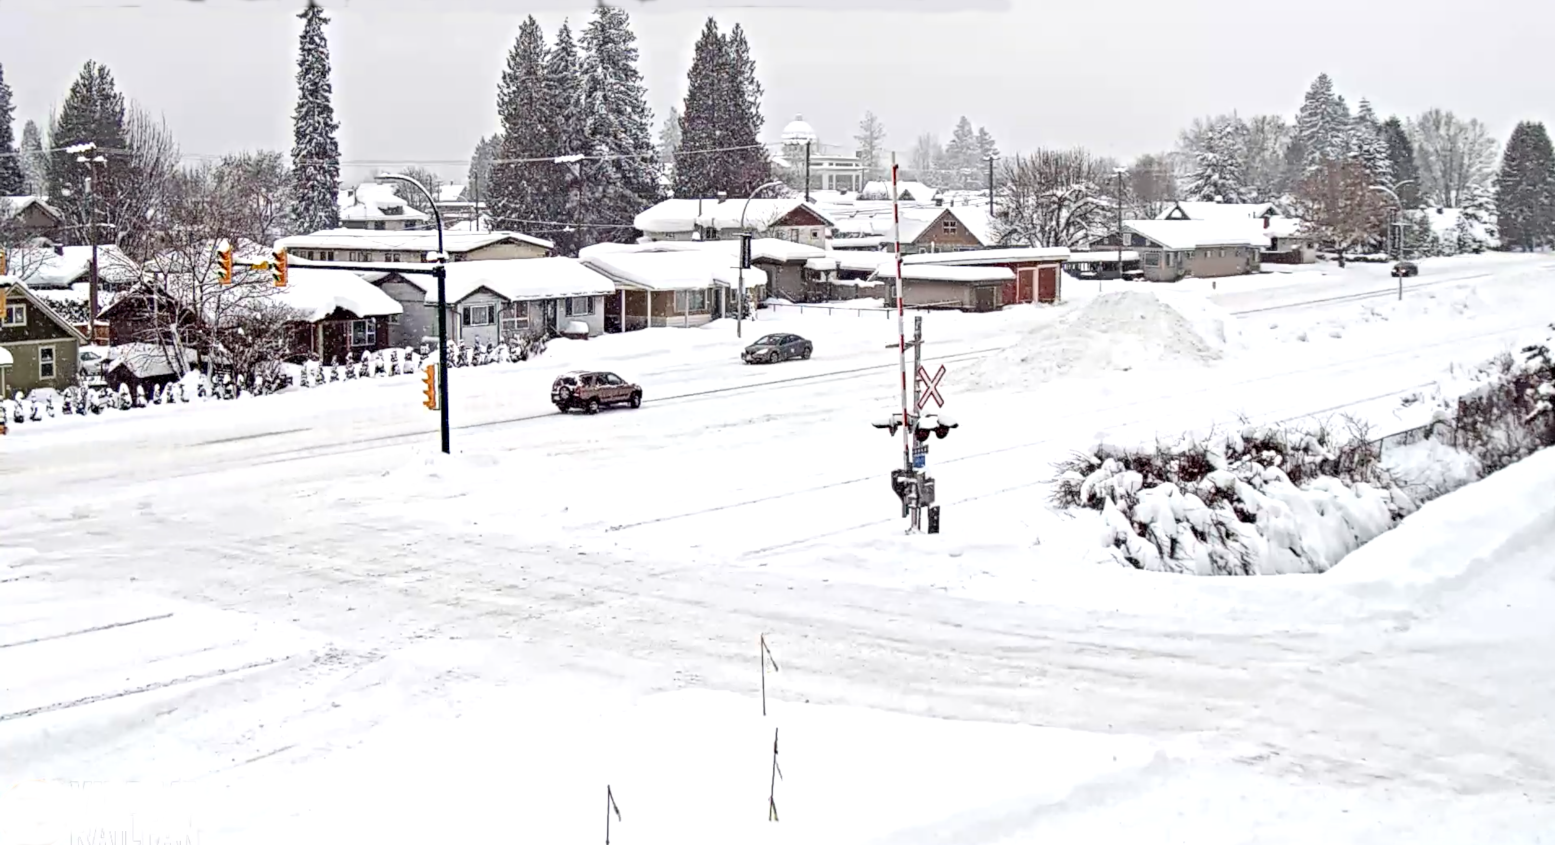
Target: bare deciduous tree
[1152, 187]
[1338, 206]
[1456, 158]
[1055, 198]
[142, 194]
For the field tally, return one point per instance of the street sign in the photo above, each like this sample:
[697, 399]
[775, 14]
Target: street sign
[930, 387]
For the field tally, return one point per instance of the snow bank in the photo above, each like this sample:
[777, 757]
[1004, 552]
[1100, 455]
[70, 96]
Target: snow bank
[1430, 468]
[1116, 331]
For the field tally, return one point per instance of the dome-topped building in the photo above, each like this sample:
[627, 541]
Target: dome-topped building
[799, 132]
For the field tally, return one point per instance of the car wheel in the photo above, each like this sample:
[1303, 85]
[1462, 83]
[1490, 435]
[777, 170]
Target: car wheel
[806, 354]
[636, 401]
[592, 407]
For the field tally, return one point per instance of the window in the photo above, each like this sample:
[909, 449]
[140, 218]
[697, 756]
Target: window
[580, 306]
[15, 314]
[394, 319]
[1152, 259]
[45, 362]
[948, 227]
[364, 332]
[391, 256]
[328, 254]
[613, 380]
[360, 256]
[690, 300]
[378, 224]
[479, 315]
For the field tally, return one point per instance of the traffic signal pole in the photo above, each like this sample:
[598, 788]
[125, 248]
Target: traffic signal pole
[441, 273]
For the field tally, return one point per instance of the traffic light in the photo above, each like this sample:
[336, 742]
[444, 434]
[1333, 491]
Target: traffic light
[429, 380]
[224, 255]
[5, 262]
[278, 268]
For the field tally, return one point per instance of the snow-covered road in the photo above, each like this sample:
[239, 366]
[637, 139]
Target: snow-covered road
[293, 580]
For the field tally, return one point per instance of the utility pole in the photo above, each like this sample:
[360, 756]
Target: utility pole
[81, 151]
[990, 185]
[1120, 173]
[807, 171]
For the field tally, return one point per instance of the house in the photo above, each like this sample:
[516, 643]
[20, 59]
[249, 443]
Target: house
[143, 366]
[378, 208]
[30, 216]
[789, 219]
[1172, 249]
[672, 287]
[60, 267]
[942, 229]
[779, 268]
[1104, 264]
[1287, 243]
[948, 286]
[368, 247]
[1036, 270]
[339, 314]
[905, 192]
[492, 302]
[40, 345]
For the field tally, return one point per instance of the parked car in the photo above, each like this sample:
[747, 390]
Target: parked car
[777, 347]
[591, 391]
[90, 360]
[1406, 268]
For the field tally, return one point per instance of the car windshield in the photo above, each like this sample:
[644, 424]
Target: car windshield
[770, 340]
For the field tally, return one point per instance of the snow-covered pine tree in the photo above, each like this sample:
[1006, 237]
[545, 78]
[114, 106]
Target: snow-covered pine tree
[871, 145]
[563, 186]
[1315, 124]
[1525, 189]
[12, 180]
[35, 162]
[1367, 144]
[1401, 161]
[703, 119]
[315, 150]
[669, 138]
[749, 163]
[516, 183]
[961, 154]
[1217, 174]
[625, 179]
[93, 112]
[1341, 147]
[477, 184]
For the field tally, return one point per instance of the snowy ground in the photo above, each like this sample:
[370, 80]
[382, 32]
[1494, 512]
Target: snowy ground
[296, 609]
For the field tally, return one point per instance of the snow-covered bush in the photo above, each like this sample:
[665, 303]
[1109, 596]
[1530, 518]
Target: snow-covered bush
[1507, 417]
[1258, 501]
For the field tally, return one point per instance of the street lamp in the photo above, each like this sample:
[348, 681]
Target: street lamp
[441, 272]
[1398, 247]
[1120, 172]
[739, 314]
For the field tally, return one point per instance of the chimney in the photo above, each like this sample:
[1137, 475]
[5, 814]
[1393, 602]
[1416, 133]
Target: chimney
[1266, 221]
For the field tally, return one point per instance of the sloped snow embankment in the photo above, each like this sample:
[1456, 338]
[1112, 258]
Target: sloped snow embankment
[1115, 332]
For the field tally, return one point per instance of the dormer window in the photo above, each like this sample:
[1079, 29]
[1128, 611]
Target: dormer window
[392, 209]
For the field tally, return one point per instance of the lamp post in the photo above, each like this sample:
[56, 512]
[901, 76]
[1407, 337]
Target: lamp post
[81, 151]
[1398, 247]
[739, 314]
[1119, 172]
[441, 272]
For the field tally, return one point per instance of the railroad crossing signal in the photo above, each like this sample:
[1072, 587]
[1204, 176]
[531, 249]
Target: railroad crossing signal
[429, 381]
[930, 387]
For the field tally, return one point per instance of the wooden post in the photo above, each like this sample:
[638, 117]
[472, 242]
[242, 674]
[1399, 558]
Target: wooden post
[610, 804]
[772, 813]
[765, 655]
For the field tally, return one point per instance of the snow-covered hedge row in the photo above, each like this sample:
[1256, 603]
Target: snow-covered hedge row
[1259, 501]
[406, 361]
[1506, 412]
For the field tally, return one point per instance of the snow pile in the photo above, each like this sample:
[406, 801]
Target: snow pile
[1430, 468]
[1258, 502]
[1116, 331]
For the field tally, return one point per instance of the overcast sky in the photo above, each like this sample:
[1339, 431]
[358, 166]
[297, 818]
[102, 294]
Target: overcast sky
[415, 80]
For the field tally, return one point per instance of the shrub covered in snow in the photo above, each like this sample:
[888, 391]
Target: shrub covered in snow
[1259, 501]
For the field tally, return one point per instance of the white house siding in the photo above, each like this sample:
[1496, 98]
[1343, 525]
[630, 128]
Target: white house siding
[471, 335]
[595, 319]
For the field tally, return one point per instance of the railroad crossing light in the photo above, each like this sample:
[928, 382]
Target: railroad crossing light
[890, 423]
[224, 255]
[278, 267]
[943, 425]
[429, 380]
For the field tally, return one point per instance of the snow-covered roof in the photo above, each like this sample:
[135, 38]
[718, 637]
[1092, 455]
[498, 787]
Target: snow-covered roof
[728, 250]
[756, 213]
[317, 293]
[18, 204]
[881, 190]
[868, 242]
[46, 268]
[416, 242]
[974, 218]
[1193, 234]
[1091, 256]
[1003, 255]
[667, 270]
[372, 201]
[520, 279]
[449, 193]
[944, 273]
[1221, 210]
[147, 360]
[822, 264]
[671, 216]
[798, 131]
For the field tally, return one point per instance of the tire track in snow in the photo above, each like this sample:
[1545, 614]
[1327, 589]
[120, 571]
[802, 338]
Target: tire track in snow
[110, 626]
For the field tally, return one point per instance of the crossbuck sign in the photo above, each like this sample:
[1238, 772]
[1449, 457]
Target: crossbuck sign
[930, 387]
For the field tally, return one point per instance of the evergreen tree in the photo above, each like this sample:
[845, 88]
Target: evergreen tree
[625, 179]
[1401, 162]
[1367, 145]
[749, 165]
[12, 180]
[561, 106]
[871, 145]
[35, 163]
[315, 151]
[93, 112]
[1317, 126]
[516, 183]
[1525, 189]
[477, 185]
[1217, 174]
[961, 154]
[669, 137]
